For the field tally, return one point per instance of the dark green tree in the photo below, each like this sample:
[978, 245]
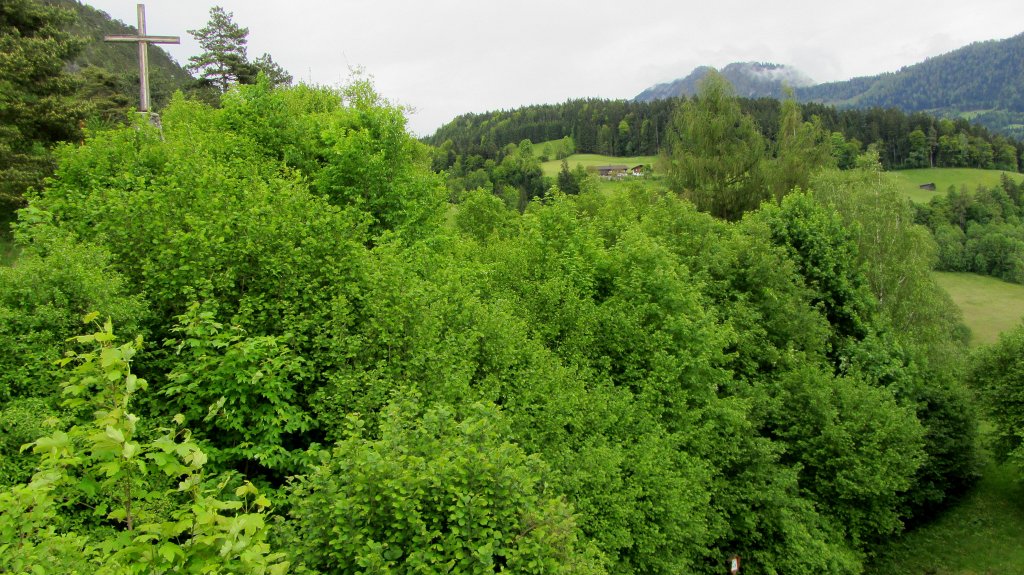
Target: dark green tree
[996, 375]
[715, 152]
[801, 149]
[920, 151]
[567, 181]
[277, 75]
[223, 60]
[37, 104]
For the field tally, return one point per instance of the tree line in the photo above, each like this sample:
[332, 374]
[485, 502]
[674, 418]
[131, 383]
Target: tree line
[979, 231]
[624, 128]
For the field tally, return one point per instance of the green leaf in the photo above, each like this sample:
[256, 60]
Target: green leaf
[115, 434]
[129, 449]
[88, 486]
[246, 489]
[168, 551]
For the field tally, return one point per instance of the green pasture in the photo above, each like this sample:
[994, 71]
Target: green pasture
[552, 167]
[980, 535]
[910, 180]
[990, 306]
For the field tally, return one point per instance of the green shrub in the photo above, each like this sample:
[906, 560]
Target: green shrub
[434, 494]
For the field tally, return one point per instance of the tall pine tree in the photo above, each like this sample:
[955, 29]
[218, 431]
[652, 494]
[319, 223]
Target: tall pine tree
[223, 60]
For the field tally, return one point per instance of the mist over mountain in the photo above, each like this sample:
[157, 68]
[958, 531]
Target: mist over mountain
[983, 82]
[749, 79]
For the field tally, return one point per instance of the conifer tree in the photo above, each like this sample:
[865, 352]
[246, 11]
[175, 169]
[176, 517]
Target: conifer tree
[37, 107]
[223, 60]
[715, 152]
[276, 75]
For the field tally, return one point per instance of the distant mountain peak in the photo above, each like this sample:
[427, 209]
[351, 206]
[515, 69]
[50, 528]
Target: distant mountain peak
[749, 80]
[983, 82]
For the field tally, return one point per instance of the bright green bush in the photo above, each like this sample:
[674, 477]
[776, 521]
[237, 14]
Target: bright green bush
[997, 373]
[109, 460]
[56, 280]
[435, 493]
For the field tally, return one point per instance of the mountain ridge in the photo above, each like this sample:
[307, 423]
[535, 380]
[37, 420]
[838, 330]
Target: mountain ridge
[749, 79]
[983, 81]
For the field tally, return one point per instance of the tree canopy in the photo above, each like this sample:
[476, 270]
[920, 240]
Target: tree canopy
[340, 371]
[37, 104]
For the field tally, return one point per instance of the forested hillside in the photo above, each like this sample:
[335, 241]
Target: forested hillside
[619, 127]
[982, 82]
[985, 79]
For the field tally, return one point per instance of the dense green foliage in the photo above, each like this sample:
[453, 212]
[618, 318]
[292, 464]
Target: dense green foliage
[596, 383]
[641, 128]
[106, 468]
[996, 375]
[435, 494]
[980, 231]
[36, 104]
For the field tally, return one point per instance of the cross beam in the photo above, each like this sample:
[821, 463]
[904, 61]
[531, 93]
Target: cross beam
[144, 41]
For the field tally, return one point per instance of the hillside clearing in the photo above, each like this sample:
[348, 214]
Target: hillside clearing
[552, 167]
[910, 181]
[980, 535]
[990, 306]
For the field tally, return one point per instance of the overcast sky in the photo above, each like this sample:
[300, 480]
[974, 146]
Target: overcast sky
[448, 57]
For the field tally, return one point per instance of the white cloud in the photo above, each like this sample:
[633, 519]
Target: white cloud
[447, 57]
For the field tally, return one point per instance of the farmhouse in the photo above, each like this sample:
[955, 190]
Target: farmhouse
[614, 171]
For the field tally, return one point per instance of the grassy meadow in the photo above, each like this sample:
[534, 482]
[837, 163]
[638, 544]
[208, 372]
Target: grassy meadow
[552, 167]
[990, 306]
[980, 535]
[911, 180]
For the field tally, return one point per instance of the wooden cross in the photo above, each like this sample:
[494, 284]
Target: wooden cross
[144, 42]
